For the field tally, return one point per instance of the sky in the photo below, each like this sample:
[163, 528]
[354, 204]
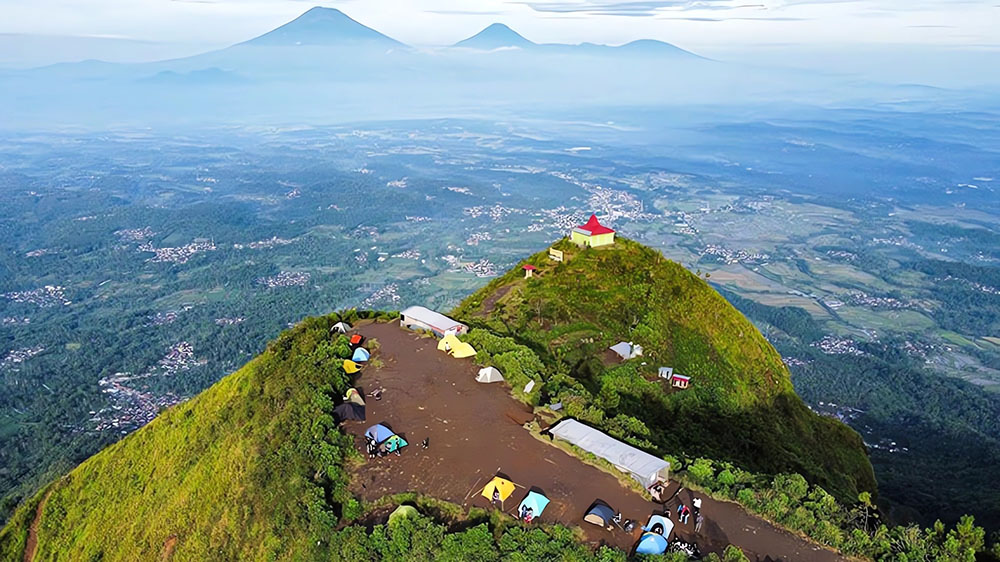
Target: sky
[153, 29]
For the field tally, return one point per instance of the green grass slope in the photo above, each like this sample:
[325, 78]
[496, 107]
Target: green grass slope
[250, 469]
[741, 406]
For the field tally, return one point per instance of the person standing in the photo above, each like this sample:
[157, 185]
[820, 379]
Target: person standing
[699, 520]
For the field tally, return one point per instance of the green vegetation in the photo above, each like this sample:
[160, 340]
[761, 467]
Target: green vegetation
[855, 530]
[741, 406]
[251, 469]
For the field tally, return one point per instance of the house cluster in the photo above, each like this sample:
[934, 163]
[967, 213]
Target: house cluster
[731, 257]
[44, 297]
[18, 356]
[230, 321]
[135, 234]
[285, 279]
[180, 254]
[271, 242]
[832, 345]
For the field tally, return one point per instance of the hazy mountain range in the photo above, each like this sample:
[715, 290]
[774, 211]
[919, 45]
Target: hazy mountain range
[324, 66]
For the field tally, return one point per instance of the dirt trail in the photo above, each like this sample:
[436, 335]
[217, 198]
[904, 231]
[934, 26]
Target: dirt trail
[32, 544]
[473, 435]
[168, 548]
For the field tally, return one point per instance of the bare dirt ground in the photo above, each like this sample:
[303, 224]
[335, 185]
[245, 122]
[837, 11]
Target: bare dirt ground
[475, 431]
[32, 543]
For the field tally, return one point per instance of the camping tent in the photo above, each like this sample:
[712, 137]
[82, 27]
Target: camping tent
[393, 443]
[626, 350]
[449, 343]
[403, 512]
[599, 514]
[354, 397]
[651, 543]
[356, 339]
[341, 327]
[361, 355]
[489, 374]
[660, 525]
[501, 485]
[378, 433]
[349, 411]
[644, 467]
[350, 367]
[463, 350]
[535, 501]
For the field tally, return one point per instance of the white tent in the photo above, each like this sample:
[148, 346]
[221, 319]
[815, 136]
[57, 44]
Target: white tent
[666, 372]
[489, 374]
[644, 467]
[341, 327]
[626, 350]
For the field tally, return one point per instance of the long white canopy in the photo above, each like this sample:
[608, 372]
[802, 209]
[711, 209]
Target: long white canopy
[642, 466]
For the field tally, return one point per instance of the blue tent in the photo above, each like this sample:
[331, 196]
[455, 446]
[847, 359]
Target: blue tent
[660, 525]
[361, 355]
[599, 514]
[535, 501]
[651, 543]
[378, 433]
[394, 443]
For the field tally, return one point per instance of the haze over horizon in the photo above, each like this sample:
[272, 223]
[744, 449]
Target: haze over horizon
[50, 31]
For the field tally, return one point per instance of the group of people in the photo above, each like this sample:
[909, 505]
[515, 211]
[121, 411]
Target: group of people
[527, 514]
[684, 514]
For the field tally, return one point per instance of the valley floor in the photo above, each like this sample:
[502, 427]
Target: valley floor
[475, 430]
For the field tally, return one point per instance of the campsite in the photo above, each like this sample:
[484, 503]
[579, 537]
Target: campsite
[475, 432]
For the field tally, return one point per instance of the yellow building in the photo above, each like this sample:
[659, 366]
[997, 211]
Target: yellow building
[592, 234]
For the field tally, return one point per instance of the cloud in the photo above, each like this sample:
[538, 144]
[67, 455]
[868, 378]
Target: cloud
[637, 8]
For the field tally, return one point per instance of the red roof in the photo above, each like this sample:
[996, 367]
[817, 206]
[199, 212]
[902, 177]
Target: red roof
[530, 267]
[595, 228]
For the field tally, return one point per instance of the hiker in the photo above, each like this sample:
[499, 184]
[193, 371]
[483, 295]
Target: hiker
[680, 508]
[496, 495]
[699, 519]
[529, 514]
[684, 514]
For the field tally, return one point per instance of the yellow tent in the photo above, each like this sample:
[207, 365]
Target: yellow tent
[449, 343]
[501, 486]
[463, 350]
[354, 396]
[350, 367]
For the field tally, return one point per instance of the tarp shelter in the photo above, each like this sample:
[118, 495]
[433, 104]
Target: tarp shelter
[393, 443]
[341, 327]
[535, 501]
[349, 411]
[651, 543]
[489, 374]
[644, 467]
[502, 486]
[354, 397]
[463, 350]
[626, 350]
[350, 367]
[378, 433]
[448, 343]
[356, 339]
[599, 514]
[403, 512]
[361, 355]
[420, 318]
[660, 525]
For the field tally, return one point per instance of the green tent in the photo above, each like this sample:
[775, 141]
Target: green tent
[403, 512]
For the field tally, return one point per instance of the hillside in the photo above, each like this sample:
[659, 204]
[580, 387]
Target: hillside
[249, 469]
[741, 406]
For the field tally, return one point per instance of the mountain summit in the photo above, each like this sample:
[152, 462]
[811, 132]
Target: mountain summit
[495, 36]
[324, 27]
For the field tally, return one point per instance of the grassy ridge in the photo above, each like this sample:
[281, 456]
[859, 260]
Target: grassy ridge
[741, 406]
[251, 469]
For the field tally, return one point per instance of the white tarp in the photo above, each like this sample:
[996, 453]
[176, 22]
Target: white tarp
[420, 317]
[644, 467]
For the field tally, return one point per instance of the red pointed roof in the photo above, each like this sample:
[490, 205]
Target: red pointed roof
[530, 267]
[595, 228]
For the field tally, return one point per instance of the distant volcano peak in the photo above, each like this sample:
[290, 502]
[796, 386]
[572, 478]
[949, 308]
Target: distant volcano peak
[495, 36]
[323, 26]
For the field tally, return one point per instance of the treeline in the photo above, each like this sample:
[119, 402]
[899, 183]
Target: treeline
[855, 530]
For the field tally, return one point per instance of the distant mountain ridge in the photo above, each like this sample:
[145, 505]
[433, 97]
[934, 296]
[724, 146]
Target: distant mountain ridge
[323, 26]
